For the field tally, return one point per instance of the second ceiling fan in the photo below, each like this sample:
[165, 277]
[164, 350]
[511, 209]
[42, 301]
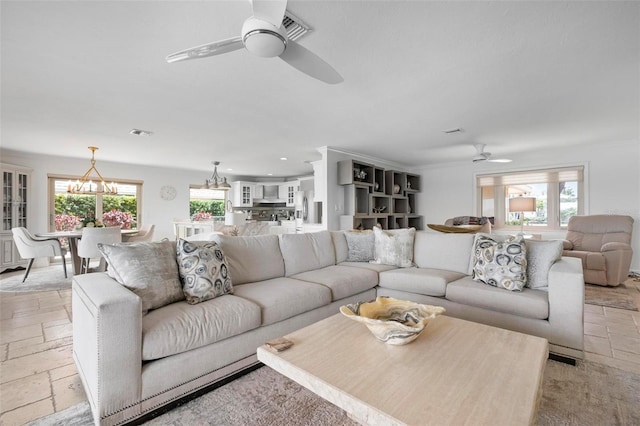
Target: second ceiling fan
[264, 35]
[482, 155]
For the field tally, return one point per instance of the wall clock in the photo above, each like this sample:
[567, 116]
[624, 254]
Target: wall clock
[168, 192]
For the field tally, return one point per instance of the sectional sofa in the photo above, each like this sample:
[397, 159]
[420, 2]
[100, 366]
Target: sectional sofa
[133, 364]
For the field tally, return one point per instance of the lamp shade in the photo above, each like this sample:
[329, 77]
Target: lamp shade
[522, 204]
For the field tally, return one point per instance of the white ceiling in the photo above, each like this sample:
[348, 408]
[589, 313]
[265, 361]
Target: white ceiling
[518, 76]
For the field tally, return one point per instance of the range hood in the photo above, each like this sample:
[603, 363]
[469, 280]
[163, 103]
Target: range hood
[269, 196]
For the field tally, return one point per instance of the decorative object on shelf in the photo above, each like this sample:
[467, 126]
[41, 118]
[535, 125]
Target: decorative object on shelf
[85, 184]
[376, 186]
[359, 174]
[408, 185]
[520, 205]
[168, 193]
[215, 181]
[396, 189]
[379, 209]
[392, 321]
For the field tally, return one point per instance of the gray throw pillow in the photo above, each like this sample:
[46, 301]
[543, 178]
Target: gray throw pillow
[203, 270]
[541, 255]
[500, 261]
[149, 269]
[361, 245]
[394, 247]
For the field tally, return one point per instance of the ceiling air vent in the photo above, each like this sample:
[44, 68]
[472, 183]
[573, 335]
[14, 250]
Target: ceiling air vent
[294, 26]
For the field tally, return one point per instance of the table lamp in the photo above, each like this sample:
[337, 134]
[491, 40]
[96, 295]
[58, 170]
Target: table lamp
[521, 205]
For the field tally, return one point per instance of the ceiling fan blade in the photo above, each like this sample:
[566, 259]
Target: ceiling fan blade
[271, 11]
[209, 49]
[309, 63]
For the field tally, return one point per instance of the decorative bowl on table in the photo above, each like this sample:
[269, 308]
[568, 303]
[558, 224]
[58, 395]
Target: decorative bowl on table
[392, 321]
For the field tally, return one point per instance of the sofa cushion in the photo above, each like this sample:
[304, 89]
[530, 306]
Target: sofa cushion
[394, 247]
[541, 255]
[368, 265]
[443, 251]
[180, 327]
[306, 252]
[148, 269]
[500, 261]
[203, 270]
[342, 280]
[361, 245]
[340, 246]
[529, 303]
[282, 298]
[427, 281]
[252, 258]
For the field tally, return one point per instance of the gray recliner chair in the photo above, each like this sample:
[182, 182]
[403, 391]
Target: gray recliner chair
[603, 243]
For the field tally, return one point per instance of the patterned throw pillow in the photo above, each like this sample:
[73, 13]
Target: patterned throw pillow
[203, 270]
[500, 261]
[361, 245]
[149, 269]
[394, 247]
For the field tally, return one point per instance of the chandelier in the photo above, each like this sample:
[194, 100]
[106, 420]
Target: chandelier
[215, 181]
[85, 185]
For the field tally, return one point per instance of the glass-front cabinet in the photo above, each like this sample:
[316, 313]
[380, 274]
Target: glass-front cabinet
[15, 200]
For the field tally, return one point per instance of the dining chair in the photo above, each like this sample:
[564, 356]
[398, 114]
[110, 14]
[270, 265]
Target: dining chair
[32, 247]
[145, 234]
[88, 245]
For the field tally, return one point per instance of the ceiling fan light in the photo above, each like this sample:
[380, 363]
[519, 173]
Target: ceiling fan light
[264, 43]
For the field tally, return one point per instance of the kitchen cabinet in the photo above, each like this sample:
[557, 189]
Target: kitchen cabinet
[242, 193]
[287, 191]
[16, 183]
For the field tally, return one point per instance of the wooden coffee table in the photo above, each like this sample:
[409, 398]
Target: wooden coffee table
[456, 372]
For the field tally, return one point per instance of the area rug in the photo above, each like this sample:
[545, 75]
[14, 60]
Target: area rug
[614, 297]
[584, 395]
[40, 279]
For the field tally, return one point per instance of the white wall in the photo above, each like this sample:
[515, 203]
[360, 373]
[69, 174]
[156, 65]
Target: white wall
[612, 183]
[155, 210]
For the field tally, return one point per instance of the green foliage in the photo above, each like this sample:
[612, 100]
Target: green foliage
[76, 205]
[81, 205]
[215, 207]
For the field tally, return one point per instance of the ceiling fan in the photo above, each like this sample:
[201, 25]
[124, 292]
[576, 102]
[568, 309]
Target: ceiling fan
[482, 155]
[264, 35]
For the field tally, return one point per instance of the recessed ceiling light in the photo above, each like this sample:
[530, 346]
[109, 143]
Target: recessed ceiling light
[229, 170]
[284, 158]
[269, 174]
[139, 132]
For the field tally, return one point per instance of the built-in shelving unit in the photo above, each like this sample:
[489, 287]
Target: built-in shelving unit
[374, 196]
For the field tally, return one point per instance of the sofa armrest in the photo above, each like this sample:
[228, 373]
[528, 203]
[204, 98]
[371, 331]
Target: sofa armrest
[566, 302]
[567, 245]
[107, 342]
[614, 246]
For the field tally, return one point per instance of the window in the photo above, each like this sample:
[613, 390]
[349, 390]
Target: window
[70, 210]
[207, 203]
[558, 193]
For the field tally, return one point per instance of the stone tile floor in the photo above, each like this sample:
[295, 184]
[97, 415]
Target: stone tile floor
[38, 376]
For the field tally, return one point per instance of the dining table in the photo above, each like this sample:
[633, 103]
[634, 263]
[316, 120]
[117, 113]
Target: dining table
[72, 237]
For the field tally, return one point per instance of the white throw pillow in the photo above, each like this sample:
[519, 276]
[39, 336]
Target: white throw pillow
[394, 247]
[500, 261]
[541, 255]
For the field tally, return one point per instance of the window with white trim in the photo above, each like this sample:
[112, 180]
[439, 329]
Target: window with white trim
[559, 194]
